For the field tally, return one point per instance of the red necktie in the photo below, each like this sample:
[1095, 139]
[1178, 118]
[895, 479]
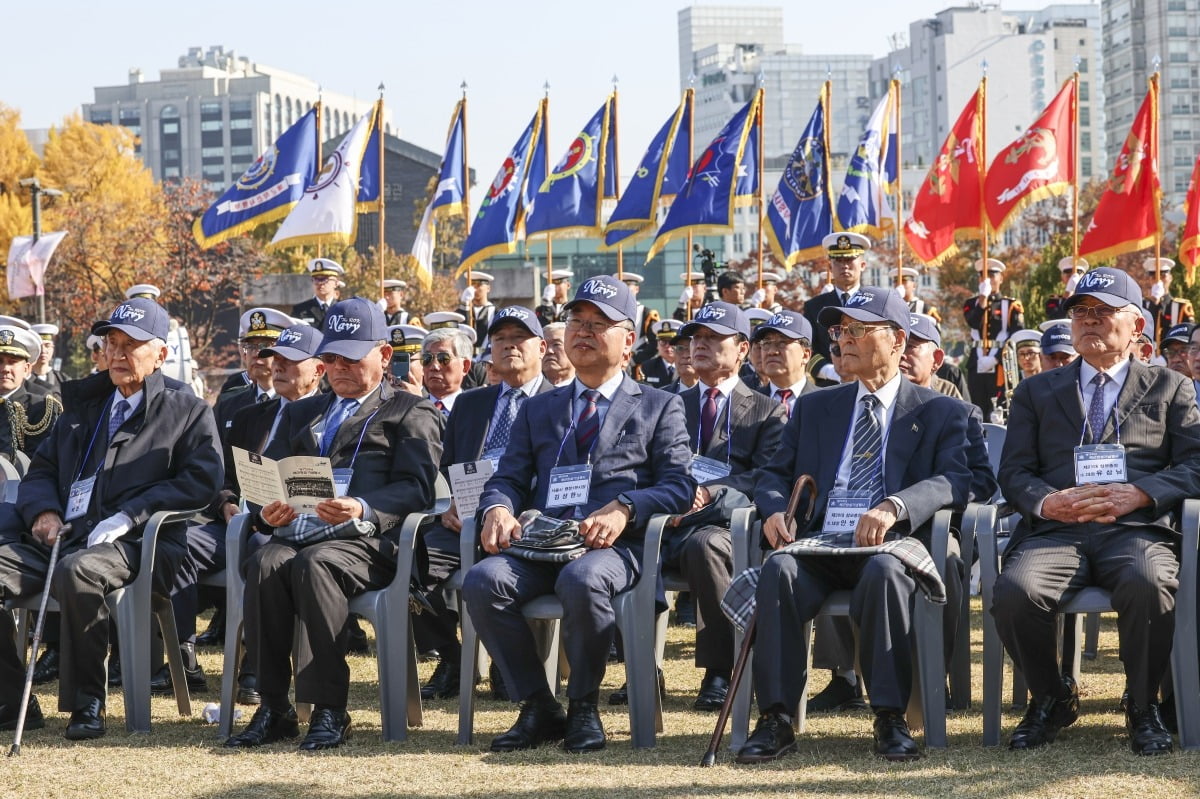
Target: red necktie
[784, 395]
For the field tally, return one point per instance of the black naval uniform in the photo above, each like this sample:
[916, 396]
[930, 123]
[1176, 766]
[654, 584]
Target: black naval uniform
[1004, 316]
[549, 312]
[483, 320]
[1167, 313]
[313, 309]
[27, 419]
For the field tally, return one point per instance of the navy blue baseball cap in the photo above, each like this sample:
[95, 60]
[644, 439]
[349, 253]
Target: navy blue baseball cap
[870, 304]
[611, 296]
[924, 327]
[353, 328]
[720, 317]
[1181, 332]
[1057, 338]
[789, 323]
[1113, 287]
[139, 318]
[296, 343]
[515, 314]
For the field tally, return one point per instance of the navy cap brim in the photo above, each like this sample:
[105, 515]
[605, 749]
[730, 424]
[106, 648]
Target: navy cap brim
[291, 353]
[500, 322]
[1111, 300]
[135, 333]
[766, 328]
[831, 315]
[604, 308]
[347, 348]
[690, 329]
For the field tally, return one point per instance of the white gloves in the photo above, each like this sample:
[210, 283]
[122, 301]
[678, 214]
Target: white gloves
[467, 295]
[828, 287]
[548, 293]
[827, 372]
[1072, 283]
[986, 363]
[110, 529]
[1158, 291]
[900, 290]
[686, 296]
[985, 288]
[757, 297]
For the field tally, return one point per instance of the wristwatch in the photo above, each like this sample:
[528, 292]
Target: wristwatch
[628, 503]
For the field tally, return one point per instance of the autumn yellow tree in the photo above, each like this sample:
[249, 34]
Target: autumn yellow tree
[17, 162]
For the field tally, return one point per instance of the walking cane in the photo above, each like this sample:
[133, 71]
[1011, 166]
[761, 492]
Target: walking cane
[739, 667]
[37, 640]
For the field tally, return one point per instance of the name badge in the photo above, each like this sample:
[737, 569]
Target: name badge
[844, 509]
[79, 498]
[708, 469]
[1100, 463]
[341, 481]
[569, 486]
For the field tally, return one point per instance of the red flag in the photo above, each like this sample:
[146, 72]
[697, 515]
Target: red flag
[1189, 250]
[950, 202]
[1129, 216]
[1039, 164]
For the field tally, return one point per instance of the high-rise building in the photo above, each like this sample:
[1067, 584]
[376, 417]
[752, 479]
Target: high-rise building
[1138, 35]
[210, 117]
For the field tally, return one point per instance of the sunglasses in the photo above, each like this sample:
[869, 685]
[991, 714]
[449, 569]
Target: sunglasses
[443, 358]
[329, 359]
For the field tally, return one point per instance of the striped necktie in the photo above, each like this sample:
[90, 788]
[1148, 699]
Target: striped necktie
[588, 424]
[866, 458]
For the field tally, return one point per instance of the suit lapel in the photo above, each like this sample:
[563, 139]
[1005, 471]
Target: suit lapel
[833, 435]
[1064, 386]
[738, 405]
[623, 404]
[561, 420]
[1137, 382]
[478, 425]
[904, 433]
[691, 412]
[352, 427]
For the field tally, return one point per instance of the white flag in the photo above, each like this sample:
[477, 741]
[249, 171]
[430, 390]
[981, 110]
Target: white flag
[27, 263]
[422, 248]
[326, 214]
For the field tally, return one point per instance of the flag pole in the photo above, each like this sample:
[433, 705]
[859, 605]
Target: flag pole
[1154, 166]
[687, 257]
[761, 146]
[320, 164]
[895, 88]
[616, 179]
[982, 117]
[1075, 166]
[382, 183]
[546, 171]
[827, 103]
[466, 192]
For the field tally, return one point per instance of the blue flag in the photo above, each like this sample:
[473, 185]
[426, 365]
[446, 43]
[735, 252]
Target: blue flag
[864, 205]
[268, 189]
[718, 181]
[799, 214]
[452, 177]
[568, 199]
[662, 171]
[495, 227]
[369, 177]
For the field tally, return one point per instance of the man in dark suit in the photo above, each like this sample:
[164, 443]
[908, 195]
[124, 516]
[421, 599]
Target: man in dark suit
[631, 443]
[785, 346]
[737, 430]
[128, 446]
[1076, 530]
[262, 326]
[659, 371]
[384, 446]
[478, 429]
[326, 280]
[847, 257]
[892, 474]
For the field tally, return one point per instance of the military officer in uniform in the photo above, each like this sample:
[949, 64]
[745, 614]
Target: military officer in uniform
[659, 371]
[692, 297]
[263, 326]
[476, 297]
[27, 416]
[992, 318]
[326, 280]
[1166, 310]
[847, 257]
[555, 297]
[1072, 269]
[393, 302]
[915, 303]
[42, 371]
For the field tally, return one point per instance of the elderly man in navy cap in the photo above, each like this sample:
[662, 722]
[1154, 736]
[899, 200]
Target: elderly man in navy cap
[785, 346]
[887, 455]
[384, 446]
[623, 447]
[1174, 348]
[1098, 460]
[128, 445]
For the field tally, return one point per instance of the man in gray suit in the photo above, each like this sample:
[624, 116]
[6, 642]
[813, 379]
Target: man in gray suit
[624, 447]
[891, 455]
[1099, 457]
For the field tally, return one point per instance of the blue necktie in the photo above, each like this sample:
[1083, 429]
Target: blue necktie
[866, 458]
[498, 437]
[1096, 412]
[589, 421]
[341, 413]
[119, 415]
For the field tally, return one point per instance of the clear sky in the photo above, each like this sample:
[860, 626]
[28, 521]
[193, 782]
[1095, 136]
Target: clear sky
[422, 50]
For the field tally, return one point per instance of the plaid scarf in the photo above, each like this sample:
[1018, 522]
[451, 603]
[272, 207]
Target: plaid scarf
[307, 528]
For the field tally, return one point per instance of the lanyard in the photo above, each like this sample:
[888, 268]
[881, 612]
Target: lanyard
[104, 417]
[570, 430]
[728, 431]
[361, 434]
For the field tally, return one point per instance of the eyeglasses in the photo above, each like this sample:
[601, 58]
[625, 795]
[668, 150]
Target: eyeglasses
[443, 358]
[329, 359]
[1099, 311]
[778, 343]
[321, 278]
[853, 330]
[256, 346]
[596, 328]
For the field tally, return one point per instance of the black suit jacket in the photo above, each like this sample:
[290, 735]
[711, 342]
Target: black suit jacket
[467, 427]
[248, 430]
[1159, 426]
[656, 372]
[235, 381]
[40, 410]
[820, 342]
[756, 425]
[483, 320]
[396, 465]
[310, 309]
[228, 405]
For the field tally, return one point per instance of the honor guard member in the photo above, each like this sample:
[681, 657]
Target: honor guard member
[908, 278]
[847, 257]
[479, 429]
[992, 318]
[1072, 269]
[384, 446]
[893, 452]
[692, 298]
[95, 348]
[556, 366]
[405, 368]
[1100, 512]
[130, 445]
[1028, 344]
[1058, 348]
[326, 280]
[44, 371]
[1167, 310]
[784, 343]
[393, 302]
[476, 297]
[1174, 348]
[764, 298]
[627, 446]
[263, 326]
[734, 430]
[554, 297]
[634, 281]
[644, 348]
[659, 371]
[27, 417]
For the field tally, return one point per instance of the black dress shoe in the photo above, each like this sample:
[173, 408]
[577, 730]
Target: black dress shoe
[713, 690]
[772, 739]
[114, 670]
[621, 695]
[46, 668]
[685, 610]
[357, 642]
[536, 723]
[34, 720]
[329, 727]
[585, 733]
[247, 692]
[893, 741]
[266, 726]
[1043, 719]
[499, 691]
[838, 696]
[443, 684]
[1166, 709]
[86, 722]
[1147, 733]
[214, 634]
[160, 682]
